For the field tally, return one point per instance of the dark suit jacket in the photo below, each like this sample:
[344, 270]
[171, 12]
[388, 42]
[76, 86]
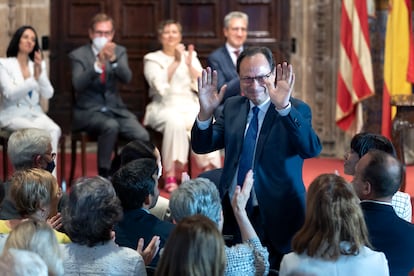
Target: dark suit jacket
[282, 145]
[91, 94]
[220, 60]
[392, 235]
[138, 224]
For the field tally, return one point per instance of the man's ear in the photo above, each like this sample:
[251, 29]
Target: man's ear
[37, 161]
[367, 189]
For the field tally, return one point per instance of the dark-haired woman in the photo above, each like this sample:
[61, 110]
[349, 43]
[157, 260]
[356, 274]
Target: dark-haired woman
[23, 83]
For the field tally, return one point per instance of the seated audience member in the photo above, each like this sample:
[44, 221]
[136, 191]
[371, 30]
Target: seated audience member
[224, 59]
[195, 247]
[26, 148]
[18, 262]
[37, 237]
[139, 149]
[35, 193]
[201, 196]
[98, 68]
[88, 217]
[377, 177]
[23, 84]
[136, 185]
[334, 238]
[361, 143]
[172, 74]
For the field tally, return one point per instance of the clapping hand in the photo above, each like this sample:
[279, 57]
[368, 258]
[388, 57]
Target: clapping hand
[207, 93]
[55, 222]
[150, 251]
[37, 64]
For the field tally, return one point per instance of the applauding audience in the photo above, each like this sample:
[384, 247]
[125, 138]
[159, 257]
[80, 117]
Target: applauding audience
[35, 193]
[88, 218]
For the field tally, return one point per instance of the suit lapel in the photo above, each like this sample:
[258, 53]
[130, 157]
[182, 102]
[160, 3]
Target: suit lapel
[240, 120]
[268, 121]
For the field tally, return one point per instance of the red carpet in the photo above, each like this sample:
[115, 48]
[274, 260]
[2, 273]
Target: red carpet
[312, 168]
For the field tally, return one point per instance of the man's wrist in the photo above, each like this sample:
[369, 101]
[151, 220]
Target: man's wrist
[282, 108]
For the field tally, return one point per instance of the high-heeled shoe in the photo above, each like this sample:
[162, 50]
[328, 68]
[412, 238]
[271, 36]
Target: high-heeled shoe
[170, 184]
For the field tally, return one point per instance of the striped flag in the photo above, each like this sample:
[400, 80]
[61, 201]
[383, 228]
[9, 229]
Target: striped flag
[398, 58]
[355, 76]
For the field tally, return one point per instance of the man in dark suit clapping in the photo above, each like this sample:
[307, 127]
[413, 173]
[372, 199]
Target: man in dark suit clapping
[97, 70]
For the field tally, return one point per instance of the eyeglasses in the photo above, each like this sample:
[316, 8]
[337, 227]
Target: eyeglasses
[52, 155]
[260, 79]
[102, 33]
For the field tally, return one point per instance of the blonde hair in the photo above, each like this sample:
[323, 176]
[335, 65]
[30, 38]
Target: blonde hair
[31, 189]
[333, 215]
[37, 237]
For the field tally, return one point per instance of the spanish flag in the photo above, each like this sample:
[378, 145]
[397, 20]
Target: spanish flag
[355, 76]
[398, 58]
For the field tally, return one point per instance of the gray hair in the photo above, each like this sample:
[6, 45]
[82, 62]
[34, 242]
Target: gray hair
[196, 196]
[235, 14]
[24, 144]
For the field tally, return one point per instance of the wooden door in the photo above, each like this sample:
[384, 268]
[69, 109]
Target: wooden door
[135, 26]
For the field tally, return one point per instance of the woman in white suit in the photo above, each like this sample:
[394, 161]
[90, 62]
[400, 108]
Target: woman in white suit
[334, 238]
[172, 74]
[23, 82]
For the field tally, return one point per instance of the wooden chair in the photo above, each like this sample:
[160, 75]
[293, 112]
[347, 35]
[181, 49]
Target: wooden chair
[4, 139]
[83, 137]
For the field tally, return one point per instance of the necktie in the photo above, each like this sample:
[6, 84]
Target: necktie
[103, 74]
[249, 144]
[237, 53]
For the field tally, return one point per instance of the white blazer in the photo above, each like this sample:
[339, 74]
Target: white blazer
[15, 100]
[367, 262]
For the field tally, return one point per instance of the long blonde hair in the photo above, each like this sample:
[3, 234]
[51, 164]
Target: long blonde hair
[333, 215]
[37, 237]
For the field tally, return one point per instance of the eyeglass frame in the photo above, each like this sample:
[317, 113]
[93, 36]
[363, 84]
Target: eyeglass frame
[102, 33]
[260, 79]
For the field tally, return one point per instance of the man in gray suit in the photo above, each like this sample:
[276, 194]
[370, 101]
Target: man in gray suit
[99, 110]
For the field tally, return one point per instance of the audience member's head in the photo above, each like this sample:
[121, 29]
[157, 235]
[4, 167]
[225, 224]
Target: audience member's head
[35, 193]
[135, 150]
[197, 196]
[17, 262]
[136, 184]
[377, 176]
[361, 143]
[333, 215]
[37, 237]
[195, 247]
[30, 148]
[235, 28]
[91, 211]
